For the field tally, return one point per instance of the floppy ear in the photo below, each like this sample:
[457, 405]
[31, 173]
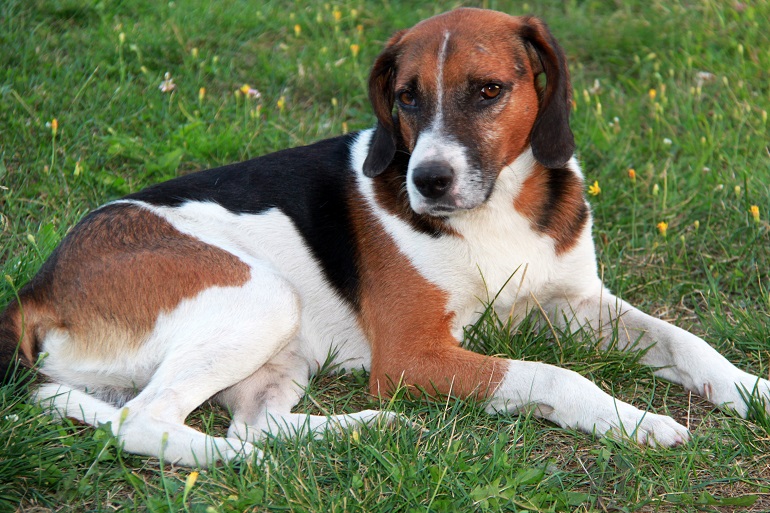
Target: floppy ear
[382, 147]
[551, 138]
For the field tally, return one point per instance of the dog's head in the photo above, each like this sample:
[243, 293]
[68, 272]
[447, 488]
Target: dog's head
[469, 98]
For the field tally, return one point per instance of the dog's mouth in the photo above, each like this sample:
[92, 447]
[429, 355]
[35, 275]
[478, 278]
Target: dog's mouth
[442, 209]
[449, 204]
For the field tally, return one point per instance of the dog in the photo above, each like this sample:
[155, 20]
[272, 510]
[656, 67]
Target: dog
[237, 283]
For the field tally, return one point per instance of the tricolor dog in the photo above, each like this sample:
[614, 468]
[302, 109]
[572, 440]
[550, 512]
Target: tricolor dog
[236, 283]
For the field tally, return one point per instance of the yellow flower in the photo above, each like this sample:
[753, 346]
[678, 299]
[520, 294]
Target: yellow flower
[354, 48]
[337, 14]
[54, 126]
[663, 227]
[190, 481]
[632, 175]
[250, 92]
[653, 93]
[188, 484]
[754, 212]
[281, 103]
[201, 94]
[594, 190]
[360, 30]
[297, 30]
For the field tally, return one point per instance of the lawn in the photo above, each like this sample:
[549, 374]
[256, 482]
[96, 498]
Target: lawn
[677, 91]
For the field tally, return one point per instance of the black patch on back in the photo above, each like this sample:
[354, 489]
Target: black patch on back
[310, 184]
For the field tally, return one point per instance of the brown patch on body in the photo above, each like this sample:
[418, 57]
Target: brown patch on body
[552, 200]
[111, 277]
[408, 325]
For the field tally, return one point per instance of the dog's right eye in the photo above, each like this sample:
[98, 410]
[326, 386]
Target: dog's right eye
[407, 98]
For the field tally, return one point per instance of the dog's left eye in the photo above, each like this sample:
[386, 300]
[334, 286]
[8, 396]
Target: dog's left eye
[490, 91]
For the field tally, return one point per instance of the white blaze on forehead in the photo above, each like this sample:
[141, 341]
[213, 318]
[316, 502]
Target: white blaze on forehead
[440, 78]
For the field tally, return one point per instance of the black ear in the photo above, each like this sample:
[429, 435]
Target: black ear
[551, 138]
[382, 147]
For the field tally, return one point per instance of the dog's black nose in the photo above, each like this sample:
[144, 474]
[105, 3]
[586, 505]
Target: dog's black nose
[433, 179]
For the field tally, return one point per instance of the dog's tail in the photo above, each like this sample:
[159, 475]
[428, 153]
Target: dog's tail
[19, 344]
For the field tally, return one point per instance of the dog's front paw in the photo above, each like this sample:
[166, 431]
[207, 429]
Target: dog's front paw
[733, 394]
[647, 428]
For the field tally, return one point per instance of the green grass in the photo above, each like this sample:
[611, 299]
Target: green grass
[117, 132]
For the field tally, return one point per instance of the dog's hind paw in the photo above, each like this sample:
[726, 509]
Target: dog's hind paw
[234, 449]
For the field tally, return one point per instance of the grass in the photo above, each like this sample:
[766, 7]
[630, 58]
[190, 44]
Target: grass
[679, 91]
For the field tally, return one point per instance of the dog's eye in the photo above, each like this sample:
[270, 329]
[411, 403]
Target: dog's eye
[407, 98]
[490, 91]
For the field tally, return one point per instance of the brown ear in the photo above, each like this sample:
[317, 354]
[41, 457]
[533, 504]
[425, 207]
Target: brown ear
[382, 147]
[551, 138]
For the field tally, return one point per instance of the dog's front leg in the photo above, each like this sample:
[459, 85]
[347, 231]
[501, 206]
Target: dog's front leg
[570, 400]
[678, 356]
[559, 395]
[414, 347]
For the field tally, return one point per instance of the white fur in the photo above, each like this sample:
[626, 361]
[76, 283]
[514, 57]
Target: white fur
[440, 78]
[570, 400]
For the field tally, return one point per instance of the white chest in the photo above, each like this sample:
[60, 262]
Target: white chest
[497, 254]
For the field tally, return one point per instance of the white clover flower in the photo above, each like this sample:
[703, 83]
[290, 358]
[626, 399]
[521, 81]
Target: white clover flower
[168, 84]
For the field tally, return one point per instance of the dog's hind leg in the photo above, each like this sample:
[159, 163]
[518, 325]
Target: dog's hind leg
[262, 404]
[63, 401]
[220, 338]
[212, 342]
